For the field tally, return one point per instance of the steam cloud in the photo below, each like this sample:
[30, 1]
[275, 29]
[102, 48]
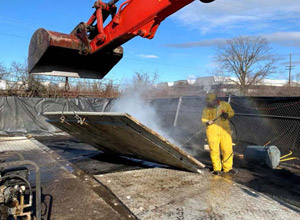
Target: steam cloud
[132, 103]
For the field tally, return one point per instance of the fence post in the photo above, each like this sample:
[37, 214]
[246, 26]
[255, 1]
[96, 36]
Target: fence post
[177, 111]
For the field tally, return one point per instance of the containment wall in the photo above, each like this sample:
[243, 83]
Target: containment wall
[258, 120]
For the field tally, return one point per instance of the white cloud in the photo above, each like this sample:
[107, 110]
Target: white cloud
[245, 15]
[191, 77]
[149, 56]
[297, 62]
[202, 43]
[284, 38]
[212, 64]
[281, 38]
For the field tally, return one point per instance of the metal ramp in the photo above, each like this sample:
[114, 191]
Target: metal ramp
[120, 133]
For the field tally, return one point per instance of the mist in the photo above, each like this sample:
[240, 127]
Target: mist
[133, 103]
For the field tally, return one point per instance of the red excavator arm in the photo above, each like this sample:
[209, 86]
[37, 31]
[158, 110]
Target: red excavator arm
[92, 50]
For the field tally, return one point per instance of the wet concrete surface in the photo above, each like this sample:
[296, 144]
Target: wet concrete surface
[159, 193]
[67, 192]
[281, 184]
[71, 192]
[89, 159]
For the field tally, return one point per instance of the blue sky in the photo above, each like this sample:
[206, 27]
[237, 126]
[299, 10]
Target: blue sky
[184, 43]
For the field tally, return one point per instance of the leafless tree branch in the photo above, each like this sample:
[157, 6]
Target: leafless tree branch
[249, 59]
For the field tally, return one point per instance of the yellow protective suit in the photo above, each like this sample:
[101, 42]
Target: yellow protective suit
[219, 136]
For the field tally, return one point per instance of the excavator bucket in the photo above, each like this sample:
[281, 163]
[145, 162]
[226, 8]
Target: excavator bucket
[57, 54]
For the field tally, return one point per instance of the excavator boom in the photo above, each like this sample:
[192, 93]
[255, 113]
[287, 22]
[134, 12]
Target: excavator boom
[92, 50]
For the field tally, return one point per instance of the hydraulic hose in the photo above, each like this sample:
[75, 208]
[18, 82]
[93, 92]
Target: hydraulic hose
[112, 2]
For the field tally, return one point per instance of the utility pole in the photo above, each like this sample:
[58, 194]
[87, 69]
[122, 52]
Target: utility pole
[290, 68]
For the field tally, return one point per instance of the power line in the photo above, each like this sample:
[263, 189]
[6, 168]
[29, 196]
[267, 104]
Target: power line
[165, 64]
[17, 22]
[12, 35]
[258, 3]
[223, 3]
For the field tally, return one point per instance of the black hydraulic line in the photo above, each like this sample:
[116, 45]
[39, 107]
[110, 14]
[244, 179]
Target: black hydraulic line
[37, 181]
[236, 132]
[112, 2]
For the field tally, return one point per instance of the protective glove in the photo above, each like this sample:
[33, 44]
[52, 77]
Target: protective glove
[224, 115]
[209, 123]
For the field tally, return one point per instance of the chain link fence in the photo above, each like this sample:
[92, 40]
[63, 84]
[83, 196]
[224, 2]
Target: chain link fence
[257, 120]
[268, 121]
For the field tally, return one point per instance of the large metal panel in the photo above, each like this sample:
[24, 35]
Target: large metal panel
[120, 133]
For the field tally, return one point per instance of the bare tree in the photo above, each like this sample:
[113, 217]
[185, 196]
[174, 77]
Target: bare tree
[144, 80]
[296, 80]
[249, 59]
[142, 83]
[3, 71]
[25, 82]
[18, 71]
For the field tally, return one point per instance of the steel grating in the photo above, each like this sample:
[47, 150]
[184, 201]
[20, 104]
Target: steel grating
[172, 194]
[16, 144]
[122, 134]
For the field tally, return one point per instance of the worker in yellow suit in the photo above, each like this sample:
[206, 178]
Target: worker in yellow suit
[215, 116]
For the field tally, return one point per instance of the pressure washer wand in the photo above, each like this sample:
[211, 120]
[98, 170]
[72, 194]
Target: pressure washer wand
[190, 138]
[214, 119]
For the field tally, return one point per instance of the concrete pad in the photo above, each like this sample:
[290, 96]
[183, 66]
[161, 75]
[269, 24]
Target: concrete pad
[120, 133]
[171, 194]
[16, 144]
[65, 196]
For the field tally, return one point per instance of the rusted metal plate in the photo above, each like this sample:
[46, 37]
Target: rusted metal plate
[120, 133]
